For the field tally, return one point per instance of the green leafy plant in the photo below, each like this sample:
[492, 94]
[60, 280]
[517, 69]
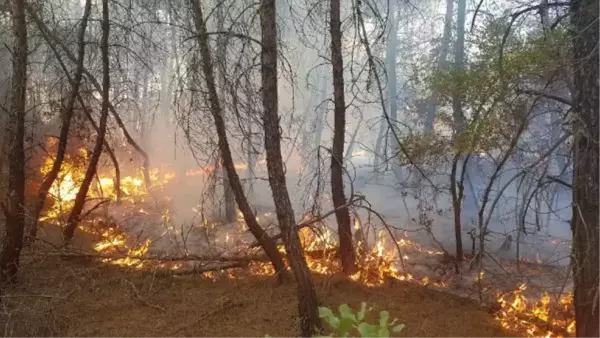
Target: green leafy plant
[348, 322]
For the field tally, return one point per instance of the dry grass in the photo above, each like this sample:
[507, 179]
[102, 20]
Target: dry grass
[75, 298]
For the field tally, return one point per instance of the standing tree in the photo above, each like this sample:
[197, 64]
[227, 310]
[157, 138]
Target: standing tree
[66, 115]
[80, 198]
[585, 226]
[267, 244]
[307, 297]
[15, 212]
[347, 254]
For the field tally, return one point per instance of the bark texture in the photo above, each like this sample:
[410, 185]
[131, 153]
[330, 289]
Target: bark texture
[267, 244]
[585, 161]
[342, 215]
[307, 297]
[15, 212]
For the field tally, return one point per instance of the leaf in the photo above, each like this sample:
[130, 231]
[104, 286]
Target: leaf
[345, 326]
[383, 332]
[346, 312]
[398, 328]
[325, 312]
[363, 310]
[367, 330]
[333, 321]
[384, 316]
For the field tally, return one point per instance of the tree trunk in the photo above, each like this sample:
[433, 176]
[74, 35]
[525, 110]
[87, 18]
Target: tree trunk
[459, 64]
[585, 227]
[230, 214]
[15, 213]
[66, 114]
[456, 190]
[307, 297]
[392, 45]
[441, 64]
[459, 127]
[79, 202]
[342, 215]
[267, 244]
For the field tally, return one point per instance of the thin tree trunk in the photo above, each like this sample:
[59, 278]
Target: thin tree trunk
[79, 202]
[456, 190]
[459, 64]
[392, 82]
[49, 36]
[459, 127]
[109, 151]
[585, 260]
[15, 213]
[267, 244]
[66, 115]
[307, 297]
[342, 215]
[230, 214]
[441, 64]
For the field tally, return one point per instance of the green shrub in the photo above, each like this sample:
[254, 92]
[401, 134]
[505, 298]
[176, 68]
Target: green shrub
[350, 323]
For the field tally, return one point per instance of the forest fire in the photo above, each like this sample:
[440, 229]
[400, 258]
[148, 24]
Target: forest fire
[378, 261]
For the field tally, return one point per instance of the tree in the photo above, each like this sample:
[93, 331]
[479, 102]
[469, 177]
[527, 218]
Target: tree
[347, 254]
[585, 225]
[441, 64]
[15, 211]
[267, 244]
[66, 114]
[230, 214]
[307, 297]
[459, 127]
[80, 198]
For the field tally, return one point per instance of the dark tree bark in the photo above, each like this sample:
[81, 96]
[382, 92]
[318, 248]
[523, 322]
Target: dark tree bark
[307, 297]
[15, 212]
[66, 114]
[267, 244]
[342, 215]
[79, 202]
[585, 227]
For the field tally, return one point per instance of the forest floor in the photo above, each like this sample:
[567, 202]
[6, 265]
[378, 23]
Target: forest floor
[58, 297]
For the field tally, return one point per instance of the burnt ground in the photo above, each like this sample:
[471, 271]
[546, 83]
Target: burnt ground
[58, 297]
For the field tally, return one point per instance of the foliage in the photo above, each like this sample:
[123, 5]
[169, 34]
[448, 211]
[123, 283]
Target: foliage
[348, 322]
[488, 86]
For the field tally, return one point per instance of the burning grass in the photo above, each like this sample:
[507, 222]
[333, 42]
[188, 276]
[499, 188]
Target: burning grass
[382, 262]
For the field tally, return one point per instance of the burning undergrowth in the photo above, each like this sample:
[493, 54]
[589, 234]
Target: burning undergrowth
[125, 234]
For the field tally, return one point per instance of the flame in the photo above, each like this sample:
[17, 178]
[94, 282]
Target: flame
[377, 262]
[537, 318]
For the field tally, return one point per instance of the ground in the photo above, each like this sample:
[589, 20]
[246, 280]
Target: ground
[82, 298]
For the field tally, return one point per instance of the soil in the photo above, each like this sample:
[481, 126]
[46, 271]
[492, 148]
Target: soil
[58, 297]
